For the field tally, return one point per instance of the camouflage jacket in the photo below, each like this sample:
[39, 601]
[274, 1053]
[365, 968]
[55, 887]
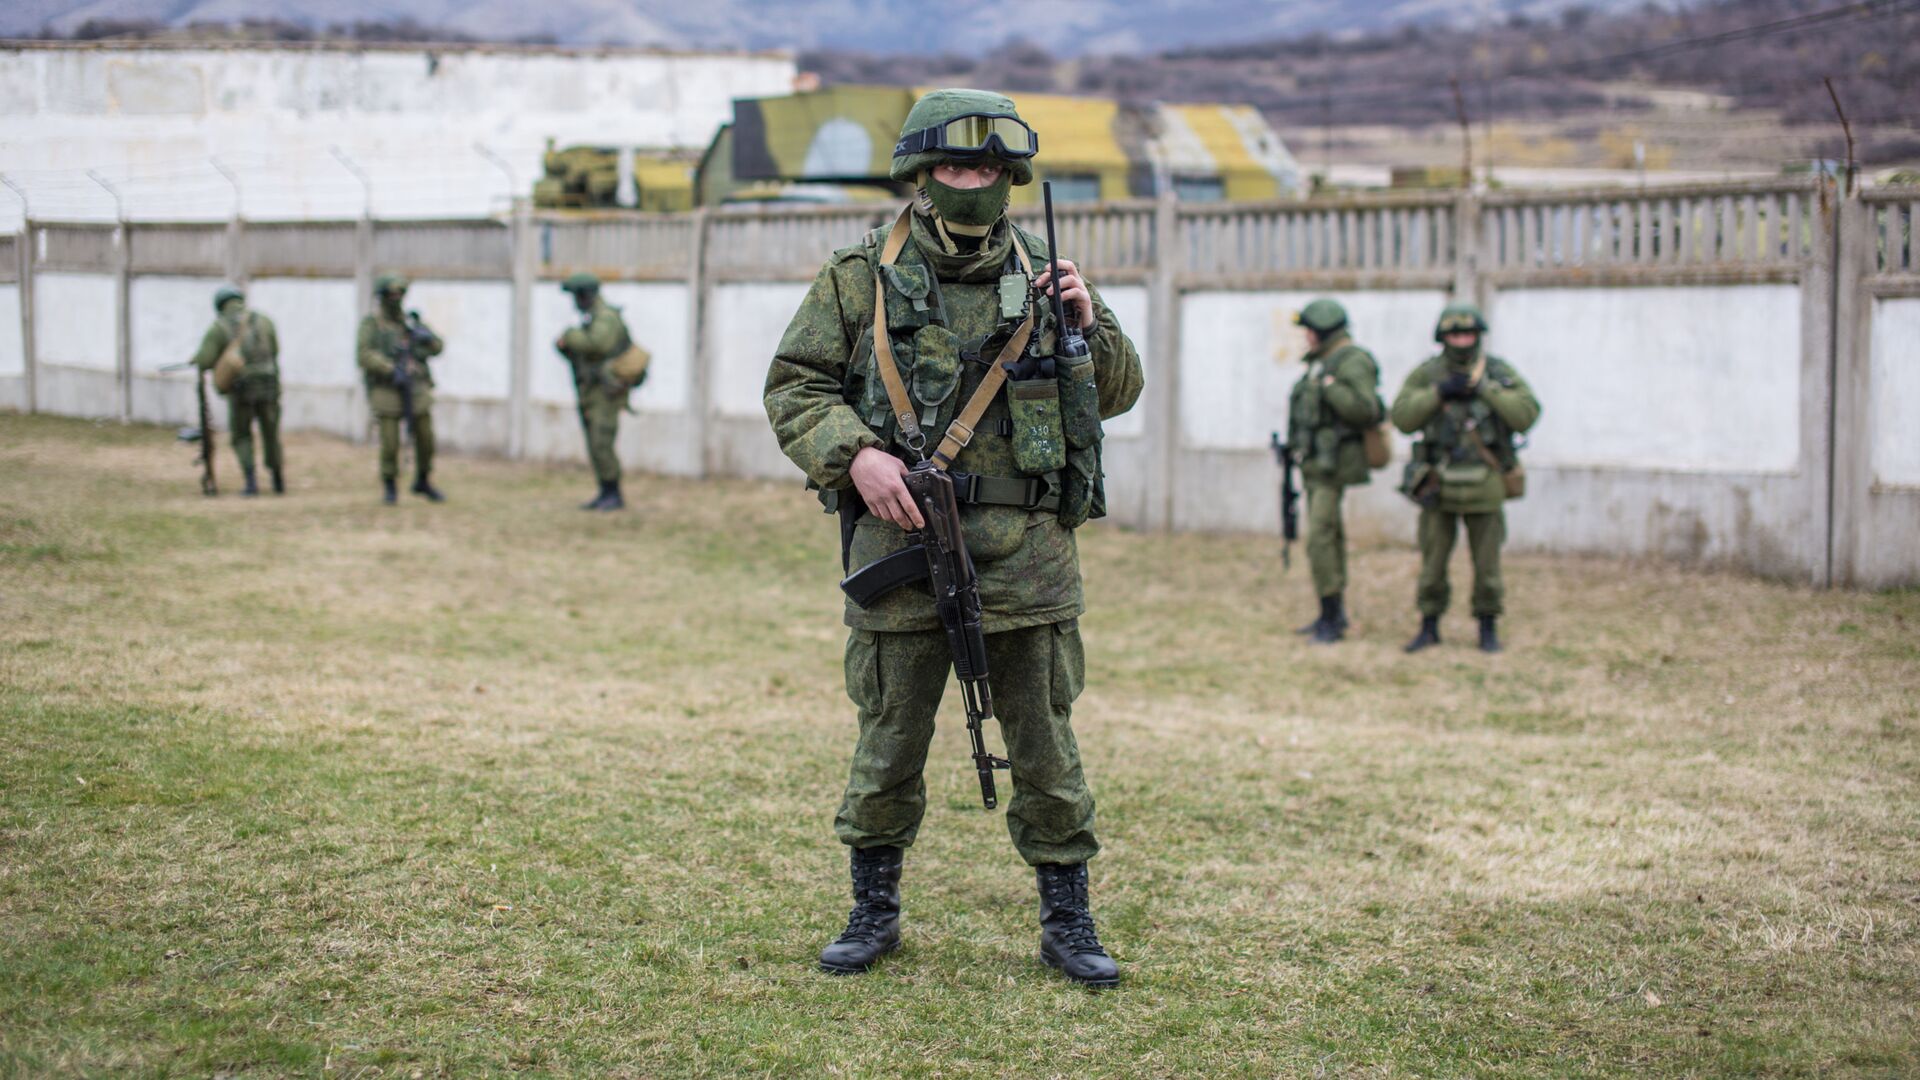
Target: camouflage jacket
[259, 344]
[826, 403]
[590, 345]
[1501, 407]
[1325, 419]
[379, 346]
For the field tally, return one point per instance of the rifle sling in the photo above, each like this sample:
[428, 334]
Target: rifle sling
[961, 429]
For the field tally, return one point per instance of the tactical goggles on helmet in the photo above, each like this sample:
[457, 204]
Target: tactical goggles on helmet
[1460, 323]
[979, 133]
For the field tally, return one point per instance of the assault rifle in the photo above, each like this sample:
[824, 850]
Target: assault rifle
[202, 434]
[940, 557]
[415, 335]
[1289, 501]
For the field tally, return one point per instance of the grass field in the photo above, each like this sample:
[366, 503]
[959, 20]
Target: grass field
[310, 786]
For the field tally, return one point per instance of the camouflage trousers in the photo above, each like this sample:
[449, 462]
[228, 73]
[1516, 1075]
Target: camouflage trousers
[1326, 538]
[390, 444]
[600, 419]
[242, 414]
[897, 680]
[1485, 534]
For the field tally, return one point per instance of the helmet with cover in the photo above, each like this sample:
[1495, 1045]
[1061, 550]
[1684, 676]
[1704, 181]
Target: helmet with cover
[1322, 316]
[390, 283]
[581, 282]
[225, 293]
[1459, 318]
[964, 126]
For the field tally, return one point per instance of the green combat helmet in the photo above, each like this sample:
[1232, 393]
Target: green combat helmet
[1322, 316]
[225, 293]
[1457, 318]
[581, 282]
[947, 125]
[390, 283]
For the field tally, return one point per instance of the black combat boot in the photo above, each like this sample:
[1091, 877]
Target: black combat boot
[1429, 633]
[423, 486]
[252, 487]
[873, 927]
[612, 500]
[1489, 638]
[279, 483]
[1068, 940]
[598, 499]
[1332, 624]
[386, 485]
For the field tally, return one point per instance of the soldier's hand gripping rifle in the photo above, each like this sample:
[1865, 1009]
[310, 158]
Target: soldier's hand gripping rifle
[1289, 501]
[202, 434]
[940, 558]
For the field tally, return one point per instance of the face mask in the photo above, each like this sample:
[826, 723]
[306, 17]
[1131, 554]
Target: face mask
[390, 302]
[977, 207]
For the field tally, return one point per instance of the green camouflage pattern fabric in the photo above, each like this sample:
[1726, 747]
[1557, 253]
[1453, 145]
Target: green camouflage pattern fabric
[1325, 420]
[826, 402]
[601, 399]
[897, 680]
[378, 346]
[1326, 537]
[390, 436]
[1485, 533]
[255, 398]
[1502, 407]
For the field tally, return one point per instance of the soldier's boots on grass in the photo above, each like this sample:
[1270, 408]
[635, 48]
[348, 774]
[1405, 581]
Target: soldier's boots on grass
[1331, 626]
[1489, 636]
[1312, 629]
[279, 483]
[1068, 940]
[424, 488]
[873, 927]
[388, 495]
[1429, 634]
[252, 487]
[608, 499]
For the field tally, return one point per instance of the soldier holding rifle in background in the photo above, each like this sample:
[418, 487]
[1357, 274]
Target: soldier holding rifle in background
[876, 392]
[393, 347]
[595, 349]
[243, 353]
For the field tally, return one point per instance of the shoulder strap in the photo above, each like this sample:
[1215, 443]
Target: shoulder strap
[960, 432]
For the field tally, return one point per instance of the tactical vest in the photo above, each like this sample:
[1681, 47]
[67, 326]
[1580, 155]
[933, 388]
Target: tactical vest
[1037, 446]
[1444, 443]
[390, 340]
[1313, 428]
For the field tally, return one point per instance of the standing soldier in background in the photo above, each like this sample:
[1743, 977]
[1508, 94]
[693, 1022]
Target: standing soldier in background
[255, 393]
[949, 292]
[591, 348]
[1467, 407]
[1331, 409]
[390, 337]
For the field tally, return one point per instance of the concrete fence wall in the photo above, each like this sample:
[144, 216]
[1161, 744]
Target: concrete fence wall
[1730, 373]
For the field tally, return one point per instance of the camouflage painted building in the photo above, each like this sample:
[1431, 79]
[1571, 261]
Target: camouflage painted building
[835, 144]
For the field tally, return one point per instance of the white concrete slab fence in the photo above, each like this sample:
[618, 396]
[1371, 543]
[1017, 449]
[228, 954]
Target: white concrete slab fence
[1730, 373]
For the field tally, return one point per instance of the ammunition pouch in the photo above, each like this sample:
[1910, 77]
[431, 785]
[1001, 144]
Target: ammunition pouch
[1420, 482]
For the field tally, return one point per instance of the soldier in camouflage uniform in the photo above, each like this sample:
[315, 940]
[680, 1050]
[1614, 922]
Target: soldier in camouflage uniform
[256, 395]
[1336, 399]
[386, 336]
[602, 397]
[952, 298]
[1467, 407]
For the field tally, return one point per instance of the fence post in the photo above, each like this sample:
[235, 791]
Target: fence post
[362, 307]
[1848, 435]
[30, 361]
[1163, 346]
[699, 350]
[123, 324]
[1467, 227]
[519, 346]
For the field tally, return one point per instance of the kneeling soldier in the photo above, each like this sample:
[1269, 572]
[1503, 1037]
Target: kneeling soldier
[255, 394]
[1330, 410]
[1467, 407]
[393, 347]
[888, 351]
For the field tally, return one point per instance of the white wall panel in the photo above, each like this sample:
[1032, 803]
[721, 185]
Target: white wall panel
[75, 319]
[745, 323]
[13, 353]
[1239, 358]
[316, 320]
[1686, 378]
[1129, 305]
[169, 317]
[1894, 388]
[475, 320]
